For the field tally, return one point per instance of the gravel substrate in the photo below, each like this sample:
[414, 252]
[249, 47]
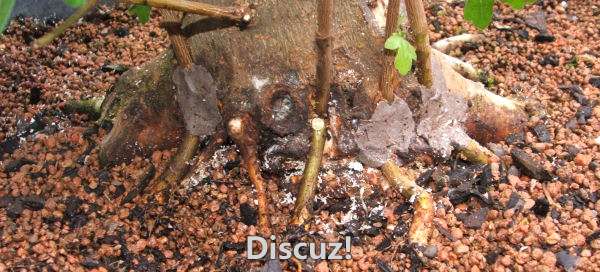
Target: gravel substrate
[59, 211]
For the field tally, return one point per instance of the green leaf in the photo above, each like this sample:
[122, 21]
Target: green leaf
[405, 55]
[479, 12]
[141, 11]
[6, 7]
[393, 42]
[518, 4]
[74, 3]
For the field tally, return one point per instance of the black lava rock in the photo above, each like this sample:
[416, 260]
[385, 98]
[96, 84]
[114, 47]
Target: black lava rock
[542, 133]
[15, 166]
[544, 37]
[541, 207]
[122, 32]
[474, 220]
[35, 95]
[583, 114]
[595, 81]
[550, 59]
[566, 260]
[34, 203]
[529, 165]
[14, 209]
[248, 214]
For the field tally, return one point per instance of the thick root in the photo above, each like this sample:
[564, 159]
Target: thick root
[421, 226]
[491, 117]
[476, 153]
[178, 166]
[216, 140]
[91, 107]
[464, 68]
[302, 209]
[448, 44]
[243, 131]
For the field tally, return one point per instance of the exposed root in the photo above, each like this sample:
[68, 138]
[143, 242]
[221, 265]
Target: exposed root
[324, 39]
[90, 106]
[476, 153]
[311, 172]
[448, 44]
[216, 140]
[421, 226]
[237, 14]
[464, 68]
[179, 164]
[60, 29]
[469, 89]
[491, 118]
[243, 131]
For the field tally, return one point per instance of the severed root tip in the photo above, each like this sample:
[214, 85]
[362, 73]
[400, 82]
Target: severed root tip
[243, 131]
[476, 153]
[421, 226]
[178, 166]
[311, 172]
[91, 107]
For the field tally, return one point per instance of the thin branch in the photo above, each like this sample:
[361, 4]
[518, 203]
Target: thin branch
[237, 14]
[324, 42]
[418, 25]
[61, 28]
[171, 21]
[421, 226]
[389, 76]
[245, 135]
[311, 172]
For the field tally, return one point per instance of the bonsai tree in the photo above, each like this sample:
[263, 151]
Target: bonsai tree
[257, 74]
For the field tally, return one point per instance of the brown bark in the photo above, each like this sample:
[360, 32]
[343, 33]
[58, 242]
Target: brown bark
[389, 79]
[418, 25]
[238, 14]
[324, 42]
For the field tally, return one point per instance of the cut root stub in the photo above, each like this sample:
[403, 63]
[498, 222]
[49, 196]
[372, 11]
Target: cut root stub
[421, 226]
[311, 173]
[243, 131]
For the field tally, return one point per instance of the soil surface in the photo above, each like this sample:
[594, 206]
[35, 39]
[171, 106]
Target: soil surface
[535, 211]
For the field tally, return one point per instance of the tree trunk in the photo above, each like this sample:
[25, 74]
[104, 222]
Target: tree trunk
[266, 69]
[269, 63]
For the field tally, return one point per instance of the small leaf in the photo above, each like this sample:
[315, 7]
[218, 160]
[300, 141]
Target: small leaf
[141, 11]
[74, 3]
[518, 4]
[6, 7]
[479, 12]
[393, 42]
[405, 55]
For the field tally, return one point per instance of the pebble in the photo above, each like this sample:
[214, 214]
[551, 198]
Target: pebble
[553, 238]
[460, 248]
[583, 160]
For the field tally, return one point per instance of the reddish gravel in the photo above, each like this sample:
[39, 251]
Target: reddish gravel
[59, 211]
